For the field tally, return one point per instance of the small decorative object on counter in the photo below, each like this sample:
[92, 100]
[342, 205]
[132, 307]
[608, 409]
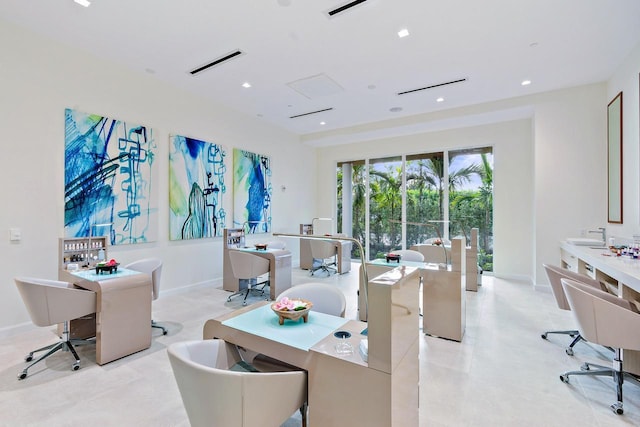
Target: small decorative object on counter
[108, 267]
[292, 309]
[393, 257]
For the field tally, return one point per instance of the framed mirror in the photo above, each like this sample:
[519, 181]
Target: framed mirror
[614, 159]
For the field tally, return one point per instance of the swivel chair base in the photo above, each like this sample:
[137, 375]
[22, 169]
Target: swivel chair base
[250, 288]
[573, 334]
[615, 372]
[65, 344]
[155, 325]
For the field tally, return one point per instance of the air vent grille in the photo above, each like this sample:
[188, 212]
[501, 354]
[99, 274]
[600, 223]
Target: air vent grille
[345, 7]
[432, 86]
[218, 61]
[311, 112]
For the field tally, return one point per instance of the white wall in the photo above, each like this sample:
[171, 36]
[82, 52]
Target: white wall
[38, 80]
[513, 187]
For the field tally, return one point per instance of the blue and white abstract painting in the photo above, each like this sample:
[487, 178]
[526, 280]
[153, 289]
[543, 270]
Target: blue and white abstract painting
[251, 192]
[196, 188]
[109, 166]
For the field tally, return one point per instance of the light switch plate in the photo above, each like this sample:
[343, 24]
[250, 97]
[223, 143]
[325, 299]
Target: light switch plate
[15, 234]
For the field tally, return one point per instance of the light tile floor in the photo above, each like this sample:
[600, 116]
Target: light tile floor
[502, 374]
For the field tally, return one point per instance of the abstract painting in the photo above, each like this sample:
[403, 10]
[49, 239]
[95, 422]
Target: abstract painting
[196, 186]
[109, 165]
[251, 192]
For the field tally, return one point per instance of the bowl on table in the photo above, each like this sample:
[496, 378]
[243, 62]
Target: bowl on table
[393, 257]
[292, 309]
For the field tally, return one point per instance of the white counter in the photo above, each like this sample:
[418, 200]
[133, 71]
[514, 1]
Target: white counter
[603, 262]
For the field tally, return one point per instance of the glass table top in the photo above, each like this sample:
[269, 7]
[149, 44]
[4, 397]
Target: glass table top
[90, 274]
[264, 322]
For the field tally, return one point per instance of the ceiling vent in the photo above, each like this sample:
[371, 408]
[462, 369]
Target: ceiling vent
[218, 61]
[432, 86]
[316, 86]
[344, 7]
[311, 112]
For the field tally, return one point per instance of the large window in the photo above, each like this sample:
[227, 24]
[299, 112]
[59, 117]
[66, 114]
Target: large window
[396, 202]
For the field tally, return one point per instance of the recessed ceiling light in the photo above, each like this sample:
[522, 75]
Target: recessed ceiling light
[246, 85]
[395, 109]
[403, 33]
[323, 123]
[526, 82]
[440, 99]
[85, 3]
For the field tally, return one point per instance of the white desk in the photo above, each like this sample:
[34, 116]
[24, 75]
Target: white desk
[386, 386]
[123, 310]
[443, 292]
[343, 258]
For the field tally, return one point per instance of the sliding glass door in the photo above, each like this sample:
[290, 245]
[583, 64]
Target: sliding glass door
[396, 202]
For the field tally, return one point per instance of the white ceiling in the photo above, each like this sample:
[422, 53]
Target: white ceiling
[359, 62]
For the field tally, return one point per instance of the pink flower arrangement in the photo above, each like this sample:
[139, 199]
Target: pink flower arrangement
[286, 304]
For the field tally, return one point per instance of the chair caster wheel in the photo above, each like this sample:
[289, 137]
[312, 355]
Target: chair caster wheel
[28, 358]
[244, 303]
[164, 332]
[617, 408]
[585, 367]
[22, 376]
[564, 378]
[543, 336]
[569, 351]
[75, 366]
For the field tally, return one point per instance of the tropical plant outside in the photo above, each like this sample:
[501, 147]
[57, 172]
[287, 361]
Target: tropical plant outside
[468, 189]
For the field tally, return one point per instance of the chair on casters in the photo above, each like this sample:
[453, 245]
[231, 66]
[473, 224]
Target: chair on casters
[607, 320]
[323, 250]
[276, 244]
[248, 267]
[215, 395]
[50, 302]
[408, 255]
[152, 266]
[326, 298]
[555, 274]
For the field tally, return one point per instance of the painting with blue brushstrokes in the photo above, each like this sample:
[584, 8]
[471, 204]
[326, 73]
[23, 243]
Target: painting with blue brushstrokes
[196, 187]
[251, 192]
[109, 166]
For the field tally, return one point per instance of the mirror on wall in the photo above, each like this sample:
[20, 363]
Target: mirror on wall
[614, 157]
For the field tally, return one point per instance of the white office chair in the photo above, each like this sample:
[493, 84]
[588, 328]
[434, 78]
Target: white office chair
[50, 302]
[248, 268]
[555, 275]
[606, 320]
[152, 266]
[326, 298]
[325, 251]
[408, 255]
[276, 244]
[215, 395]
